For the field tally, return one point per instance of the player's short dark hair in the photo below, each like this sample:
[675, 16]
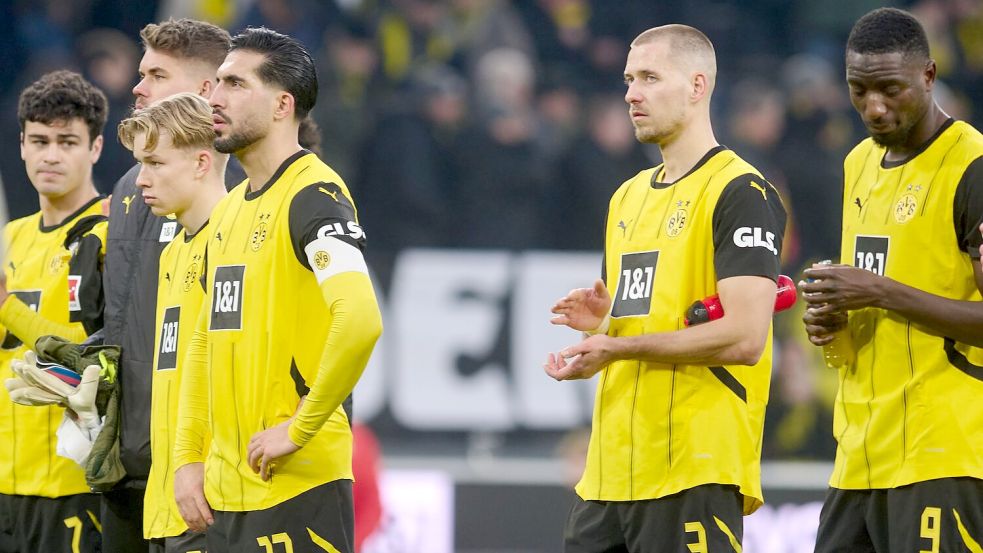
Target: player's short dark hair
[63, 96]
[287, 65]
[886, 31]
[188, 39]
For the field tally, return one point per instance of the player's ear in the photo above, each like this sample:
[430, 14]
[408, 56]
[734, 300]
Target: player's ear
[22, 145]
[95, 151]
[203, 163]
[700, 86]
[206, 88]
[284, 105]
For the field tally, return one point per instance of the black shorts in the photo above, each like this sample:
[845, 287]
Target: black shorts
[188, 542]
[313, 522]
[937, 515]
[69, 523]
[707, 518]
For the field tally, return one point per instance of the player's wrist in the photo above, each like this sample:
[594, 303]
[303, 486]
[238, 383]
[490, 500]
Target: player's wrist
[295, 435]
[602, 327]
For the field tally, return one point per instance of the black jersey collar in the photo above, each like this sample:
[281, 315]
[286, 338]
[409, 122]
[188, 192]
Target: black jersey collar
[71, 217]
[190, 237]
[703, 160]
[250, 195]
[885, 164]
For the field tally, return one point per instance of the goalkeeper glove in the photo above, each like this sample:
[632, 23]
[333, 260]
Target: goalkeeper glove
[81, 398]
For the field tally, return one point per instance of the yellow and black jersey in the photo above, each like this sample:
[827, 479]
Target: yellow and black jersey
[45, 298]
[659, 429]
[180, 294]
[901, 413]
[266, 323]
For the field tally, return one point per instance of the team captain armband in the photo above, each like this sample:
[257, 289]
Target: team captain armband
[324, 231]
[328, 256]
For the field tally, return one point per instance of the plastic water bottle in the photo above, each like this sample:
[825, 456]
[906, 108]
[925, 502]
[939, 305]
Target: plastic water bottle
[709, 308]
[839, 352]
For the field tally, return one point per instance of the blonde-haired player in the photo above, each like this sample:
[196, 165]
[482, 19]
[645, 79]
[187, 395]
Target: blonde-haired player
[181, 175]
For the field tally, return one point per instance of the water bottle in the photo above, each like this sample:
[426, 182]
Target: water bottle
[709, 308]
[839, 352]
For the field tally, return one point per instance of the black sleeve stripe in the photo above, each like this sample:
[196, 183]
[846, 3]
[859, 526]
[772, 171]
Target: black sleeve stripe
[967, 209]
[748, 227]
[323, 208]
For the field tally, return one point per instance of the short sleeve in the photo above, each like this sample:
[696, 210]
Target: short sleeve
[748, 226]
[967, 209]
[322, 210]
[86, 300]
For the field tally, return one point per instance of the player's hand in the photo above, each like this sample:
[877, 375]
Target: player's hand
[822, 322]
[189, 492]
[581, 361]
[266, 446]
[841, 287]
[583, 309]
[23, 393]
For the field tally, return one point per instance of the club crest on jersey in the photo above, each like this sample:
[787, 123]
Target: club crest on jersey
[260, 232]
[677, 221]
[321, 260]
[57, 261]
[906, 208]
[191, 275]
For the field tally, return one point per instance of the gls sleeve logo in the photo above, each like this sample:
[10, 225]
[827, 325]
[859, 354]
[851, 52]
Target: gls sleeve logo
[350, 229]
[755, 237]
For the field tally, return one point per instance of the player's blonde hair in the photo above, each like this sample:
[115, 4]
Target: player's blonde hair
[186, 117]
[691, 49]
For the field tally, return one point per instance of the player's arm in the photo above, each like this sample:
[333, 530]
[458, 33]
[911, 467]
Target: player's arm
[841, 288]
[192, 429]
[329, 242]
[746, 270]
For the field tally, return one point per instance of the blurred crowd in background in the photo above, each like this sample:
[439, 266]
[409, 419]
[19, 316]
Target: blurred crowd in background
[502, 124]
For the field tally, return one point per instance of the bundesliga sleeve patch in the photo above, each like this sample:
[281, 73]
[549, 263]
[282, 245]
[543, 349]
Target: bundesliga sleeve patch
[74, 285]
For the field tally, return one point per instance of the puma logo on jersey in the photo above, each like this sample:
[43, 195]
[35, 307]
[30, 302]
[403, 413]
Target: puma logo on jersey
[334, 195]
[623, 226]
[126, 202]
[13, 269]
[857, 202]
[755, 237]
[759, 188]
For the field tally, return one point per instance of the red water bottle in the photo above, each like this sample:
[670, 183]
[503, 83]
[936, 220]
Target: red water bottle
[709, 308]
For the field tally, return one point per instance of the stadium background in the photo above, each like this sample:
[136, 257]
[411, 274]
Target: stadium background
[482, 139]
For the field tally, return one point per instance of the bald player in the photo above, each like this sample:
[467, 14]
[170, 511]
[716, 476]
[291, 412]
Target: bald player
[674, 455]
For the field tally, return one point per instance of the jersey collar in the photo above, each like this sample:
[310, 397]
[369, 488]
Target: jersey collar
[703, 160]
[885, 164]
[77, 212]
[250, 195]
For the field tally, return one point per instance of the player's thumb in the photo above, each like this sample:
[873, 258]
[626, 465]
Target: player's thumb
[600, 290]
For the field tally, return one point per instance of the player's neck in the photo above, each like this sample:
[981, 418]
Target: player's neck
[211, 191]
[686, 149]
[261, 159]
[923, 131]
[54, 211]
